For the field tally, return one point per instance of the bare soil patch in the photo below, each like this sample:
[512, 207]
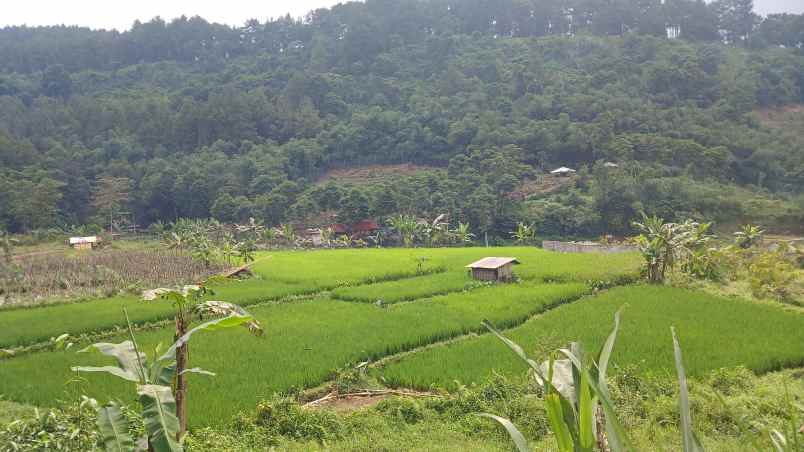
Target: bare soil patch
[372, 173]
[344, 403]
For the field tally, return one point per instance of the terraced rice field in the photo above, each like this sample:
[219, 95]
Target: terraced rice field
[714, 332]
[282, 274]
[409, 288]
[338, 324]
[304, 343]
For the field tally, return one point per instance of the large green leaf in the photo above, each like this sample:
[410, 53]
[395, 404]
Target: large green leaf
[618, 439]
[555, 415]
[212, 325]
[689, 440]
[113, 428]
[131, 362]
[116, 371]
[519, 352]
[223, 308]
[517, 436]
[159, 417]
[586, 415]
[602, 366]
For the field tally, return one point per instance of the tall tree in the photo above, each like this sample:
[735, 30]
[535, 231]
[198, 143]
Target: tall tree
[110, 196]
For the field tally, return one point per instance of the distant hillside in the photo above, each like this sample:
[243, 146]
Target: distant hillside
[192, 119]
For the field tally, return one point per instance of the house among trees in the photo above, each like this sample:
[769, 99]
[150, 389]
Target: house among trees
[360, 229]
[493, 268]
[562, 172]
[84, 243]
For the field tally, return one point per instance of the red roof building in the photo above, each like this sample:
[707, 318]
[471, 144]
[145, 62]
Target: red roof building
[362, 227]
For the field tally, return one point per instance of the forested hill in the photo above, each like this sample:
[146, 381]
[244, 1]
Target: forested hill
[696, 105]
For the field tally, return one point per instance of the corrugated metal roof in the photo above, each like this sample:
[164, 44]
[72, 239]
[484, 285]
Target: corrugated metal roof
[77, 240]
[561, 170]
[492, 262]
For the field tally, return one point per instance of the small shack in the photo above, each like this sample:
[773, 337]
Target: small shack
[493, 268]
[84, 243]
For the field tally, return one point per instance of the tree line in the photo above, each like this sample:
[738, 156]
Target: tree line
[199, 120]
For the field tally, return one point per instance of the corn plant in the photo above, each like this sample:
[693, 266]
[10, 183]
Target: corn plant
[573, 391]
[689, 440]
[188, 303]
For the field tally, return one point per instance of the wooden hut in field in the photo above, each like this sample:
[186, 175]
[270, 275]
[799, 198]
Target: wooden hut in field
[84, 243]
[493, 268]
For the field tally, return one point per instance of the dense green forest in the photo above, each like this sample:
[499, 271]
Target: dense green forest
[193, 119]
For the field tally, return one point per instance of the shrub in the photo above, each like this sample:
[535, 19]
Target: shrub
[284, 416]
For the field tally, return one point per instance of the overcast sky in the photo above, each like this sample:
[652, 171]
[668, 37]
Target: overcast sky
[120, 14]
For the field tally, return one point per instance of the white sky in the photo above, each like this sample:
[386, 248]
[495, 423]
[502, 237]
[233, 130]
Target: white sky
[120, 14]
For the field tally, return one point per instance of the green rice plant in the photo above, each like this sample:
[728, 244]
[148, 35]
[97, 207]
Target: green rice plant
[19, 327]
[305, 343]
[408, 289]
[720, 332]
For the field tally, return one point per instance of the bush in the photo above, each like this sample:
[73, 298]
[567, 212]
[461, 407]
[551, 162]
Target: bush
[403, 409]
[284, 416]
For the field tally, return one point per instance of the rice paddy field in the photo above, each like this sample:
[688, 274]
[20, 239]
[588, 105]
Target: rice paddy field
[320, 315]
[714, 332]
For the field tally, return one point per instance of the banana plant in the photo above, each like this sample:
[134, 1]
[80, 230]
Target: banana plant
[156, 383]
[188, 303]
[573, 391]
[524, 234]
[748, 236]
[462, 234]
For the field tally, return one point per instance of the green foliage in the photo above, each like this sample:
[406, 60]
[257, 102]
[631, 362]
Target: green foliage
[69, 428]
[771, 275]
[524, 234]
[472, 98]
